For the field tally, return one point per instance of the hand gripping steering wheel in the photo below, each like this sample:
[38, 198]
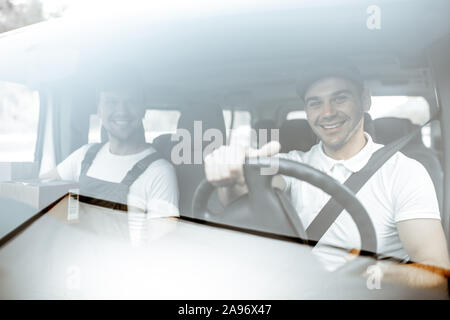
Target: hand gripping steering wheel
[269, 210]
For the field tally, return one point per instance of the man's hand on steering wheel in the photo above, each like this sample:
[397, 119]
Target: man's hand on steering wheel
[265, 209]
[224, 166]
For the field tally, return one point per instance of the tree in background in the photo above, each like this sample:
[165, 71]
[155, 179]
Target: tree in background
[18, 13]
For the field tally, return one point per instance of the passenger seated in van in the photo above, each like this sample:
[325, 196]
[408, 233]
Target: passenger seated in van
[125, 172]
[400, 197]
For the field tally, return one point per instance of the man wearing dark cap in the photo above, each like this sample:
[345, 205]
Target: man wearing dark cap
[400, 197]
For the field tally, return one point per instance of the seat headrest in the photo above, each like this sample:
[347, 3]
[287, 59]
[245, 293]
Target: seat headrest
[296, 134]
[368, 124]
[267, 124]
[210, 117]
[389, 129]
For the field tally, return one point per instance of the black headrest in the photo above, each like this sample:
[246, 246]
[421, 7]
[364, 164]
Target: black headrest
[267, 124]
[210, 117]
[368, 125]
[296, 134]
[163, 143]
[389, 129]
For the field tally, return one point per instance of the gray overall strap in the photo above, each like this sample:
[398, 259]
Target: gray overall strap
[332, 209]
[139, 168]
[89, 157]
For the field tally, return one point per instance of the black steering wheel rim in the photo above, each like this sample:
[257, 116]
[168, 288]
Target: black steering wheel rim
[342, 194]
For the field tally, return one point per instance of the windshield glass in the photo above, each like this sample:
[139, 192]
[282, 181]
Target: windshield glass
[251, 119]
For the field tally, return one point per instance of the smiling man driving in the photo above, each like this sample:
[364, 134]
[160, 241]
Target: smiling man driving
[125, 172]
[400, 197]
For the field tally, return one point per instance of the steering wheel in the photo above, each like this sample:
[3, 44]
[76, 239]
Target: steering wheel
[269, 210]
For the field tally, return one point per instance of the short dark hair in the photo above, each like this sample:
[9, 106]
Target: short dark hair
[339, 68]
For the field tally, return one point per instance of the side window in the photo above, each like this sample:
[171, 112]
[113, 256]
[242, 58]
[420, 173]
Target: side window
[299, 114]
[158, 122]
[95, 129]
[240, 131]
[19, 117]
[415, 109]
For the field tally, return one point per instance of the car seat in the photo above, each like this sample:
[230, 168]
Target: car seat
[190, 174]
[389, 129]
[296, 134]
[268, 125]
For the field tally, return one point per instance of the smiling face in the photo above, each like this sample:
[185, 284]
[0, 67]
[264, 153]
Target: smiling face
[334, 109]
[121, 112]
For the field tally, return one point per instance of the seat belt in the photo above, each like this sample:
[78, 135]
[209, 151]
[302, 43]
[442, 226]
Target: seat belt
[138, 169]
[332, 209]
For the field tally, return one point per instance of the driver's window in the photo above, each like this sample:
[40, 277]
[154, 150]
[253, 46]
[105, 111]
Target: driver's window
[415, 109]
[156, 122]
[19, 118]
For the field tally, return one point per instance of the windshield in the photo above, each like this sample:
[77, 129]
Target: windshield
[257, 121]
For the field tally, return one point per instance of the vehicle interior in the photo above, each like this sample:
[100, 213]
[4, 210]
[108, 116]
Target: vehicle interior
[233, 75]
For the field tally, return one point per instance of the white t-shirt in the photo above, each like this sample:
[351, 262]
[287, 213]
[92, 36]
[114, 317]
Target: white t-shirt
[400, 190]
[155, 190]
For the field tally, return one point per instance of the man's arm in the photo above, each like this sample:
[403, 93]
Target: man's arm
[69, 168]
[417, 218]
[161, 190]
[418, 224]
[225, 166]
[424, 241]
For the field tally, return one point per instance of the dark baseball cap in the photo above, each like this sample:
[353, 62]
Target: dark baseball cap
[339, 68]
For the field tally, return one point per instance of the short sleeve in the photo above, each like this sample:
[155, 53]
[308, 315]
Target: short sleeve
[69, 168]
[162, 191]
[413, 192]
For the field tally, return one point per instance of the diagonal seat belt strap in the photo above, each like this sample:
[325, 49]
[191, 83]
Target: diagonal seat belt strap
[332, 209]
